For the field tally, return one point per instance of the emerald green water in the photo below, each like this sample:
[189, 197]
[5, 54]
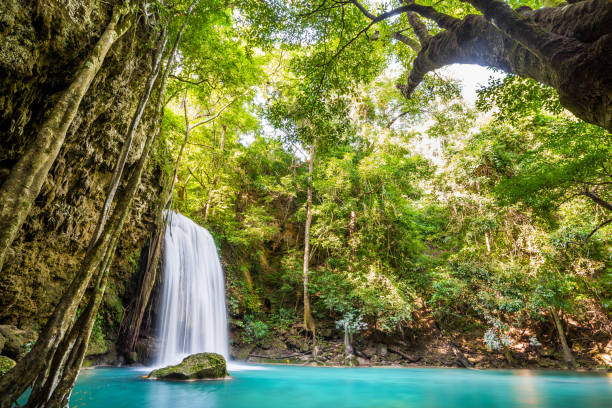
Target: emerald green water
[289, 387]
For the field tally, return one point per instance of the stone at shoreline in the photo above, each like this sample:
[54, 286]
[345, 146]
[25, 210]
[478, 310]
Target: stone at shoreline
[201, 366]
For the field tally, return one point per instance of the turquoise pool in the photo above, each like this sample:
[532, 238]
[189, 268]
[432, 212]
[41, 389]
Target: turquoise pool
[289, 387]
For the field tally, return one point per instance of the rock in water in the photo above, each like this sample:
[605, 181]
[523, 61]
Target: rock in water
[201, 366]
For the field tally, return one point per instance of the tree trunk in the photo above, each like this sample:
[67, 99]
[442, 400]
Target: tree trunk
[27, 176]
[14, 383]
[127, 144]
[53, 386]
[352, 226]
[75, 359]
[207, 206]
[309, 323]
[568, 357]
[179, 156]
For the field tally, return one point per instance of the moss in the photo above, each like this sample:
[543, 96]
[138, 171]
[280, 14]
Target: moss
[97, 345]
[5, 365]
[194, 367]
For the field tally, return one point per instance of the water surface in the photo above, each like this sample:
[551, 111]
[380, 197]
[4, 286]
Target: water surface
[322, 387]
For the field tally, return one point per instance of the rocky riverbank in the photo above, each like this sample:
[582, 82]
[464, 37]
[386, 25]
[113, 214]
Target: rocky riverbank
[426, 346]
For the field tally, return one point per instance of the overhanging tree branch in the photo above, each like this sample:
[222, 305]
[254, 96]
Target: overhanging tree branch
[540, 42]
[603, 203]
[443, 20]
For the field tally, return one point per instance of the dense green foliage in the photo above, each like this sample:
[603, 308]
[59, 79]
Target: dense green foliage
[492, 231]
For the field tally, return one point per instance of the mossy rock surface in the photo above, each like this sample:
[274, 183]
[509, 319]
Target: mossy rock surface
[5, 365]
[16, 341]
[201, 366]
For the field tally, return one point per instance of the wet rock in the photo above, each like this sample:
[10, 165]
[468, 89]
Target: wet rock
[146, 350]
[131, 357]
[363, 361]
[201, 366]
[243, 352]
[381, 350]
[277, 344]
[97, 346]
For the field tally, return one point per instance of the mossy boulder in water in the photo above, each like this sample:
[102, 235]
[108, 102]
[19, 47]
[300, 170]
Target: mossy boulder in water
[201, 366]
[5, 365]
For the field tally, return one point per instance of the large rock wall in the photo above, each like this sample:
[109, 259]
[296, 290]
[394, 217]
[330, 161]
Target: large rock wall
[41, 46]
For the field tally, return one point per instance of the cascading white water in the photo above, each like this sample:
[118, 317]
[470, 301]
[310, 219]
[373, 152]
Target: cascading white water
[193, 316]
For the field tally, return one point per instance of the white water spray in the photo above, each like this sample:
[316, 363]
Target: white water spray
[193, 316]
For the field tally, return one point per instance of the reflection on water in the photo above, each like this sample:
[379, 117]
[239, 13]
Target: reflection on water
[162, 394]
[320, 387]
[525, 391]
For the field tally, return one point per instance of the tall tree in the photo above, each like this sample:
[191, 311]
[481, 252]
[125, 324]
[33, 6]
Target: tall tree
[309, 323]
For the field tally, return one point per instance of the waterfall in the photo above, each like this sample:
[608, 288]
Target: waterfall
[193, 316]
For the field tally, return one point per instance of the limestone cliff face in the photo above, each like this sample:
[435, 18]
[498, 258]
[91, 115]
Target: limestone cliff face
[41, 46]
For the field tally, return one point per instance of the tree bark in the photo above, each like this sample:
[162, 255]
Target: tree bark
[309, 323]
[568, 357]
[52, 388]
[127, 144]
[597, 199]
[133, 323]
[134, 320]
[15, 382]
[27, 176]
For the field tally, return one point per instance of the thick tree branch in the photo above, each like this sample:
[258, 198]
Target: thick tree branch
[419, 28]
[443, 20]
[363, 10]
[528, 33]
[603, 203]
[415, 45]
